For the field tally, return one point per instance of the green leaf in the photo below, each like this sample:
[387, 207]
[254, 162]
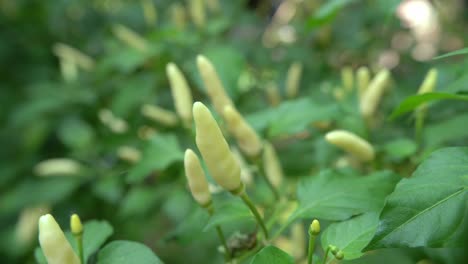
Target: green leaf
[384, 256]
[448, 130]
[334, 196]
[353, 235]
[412, 102]
[76, 133]
[272, 255]
[132, 93]
[326, 13]
[124, 252]
[191, 228]
[453, 53]
[428, 209]
[94, 235]
[289, 117]
[400, 148]
[162, 151]
[229, 212]
[138, 201]
[36, 191]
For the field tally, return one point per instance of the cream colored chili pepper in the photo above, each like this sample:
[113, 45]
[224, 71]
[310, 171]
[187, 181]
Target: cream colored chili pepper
[178, 16]
[351, 143]
[272, 165]
[246, 137]
[66, 52]
[26, 227]
[347, 78]
[273, 94]
[213, 5]
[213, 85]
[196, 178]
[57, 167]
[181, 93]
[150, 12]
[130, 37]
[215, 150]
[371, 98]
[293, 79]
[160, 115]
[55, 246]
[197, 12]
[128, 153]
[363, 79]
[429, 82]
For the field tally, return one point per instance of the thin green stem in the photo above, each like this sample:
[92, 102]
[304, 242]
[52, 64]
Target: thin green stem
[311, 249]
[253, 209]
[326, 255]
[222, 238]
[419, 123]
[227, 254]
[79, 243]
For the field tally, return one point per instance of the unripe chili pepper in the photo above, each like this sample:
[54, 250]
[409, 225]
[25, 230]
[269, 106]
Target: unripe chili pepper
[213, 85]
[215, 150]
[55, 246]
[371, 98]
[351, 143]
[178, 16]
[26, 227]
[429, 82]
[181, 93]
[160, 115]
[246, 137]
[196, 178]
[128, 153]
[347, 78]
[130, 37]
[57, 167]
[272, 165]
[293, 79]
[197, 12]
[363, 79]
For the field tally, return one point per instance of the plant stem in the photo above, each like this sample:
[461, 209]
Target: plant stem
[419, 123]
[227, 254]
[79, 243]
[253, 209]
[326, 255]
[311, 249]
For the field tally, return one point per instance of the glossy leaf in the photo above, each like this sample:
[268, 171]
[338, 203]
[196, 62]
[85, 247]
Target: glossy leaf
[453, 53]
[289, 117]
[326, 13]
[428, 208]
[124, 252]
[412, 102]
[334, 196]
[94, 235]
[162, 151]
[351, 236]
[272, 255]
[230, 212]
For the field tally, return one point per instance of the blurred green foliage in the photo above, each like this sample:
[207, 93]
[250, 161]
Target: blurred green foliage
[53, 108]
